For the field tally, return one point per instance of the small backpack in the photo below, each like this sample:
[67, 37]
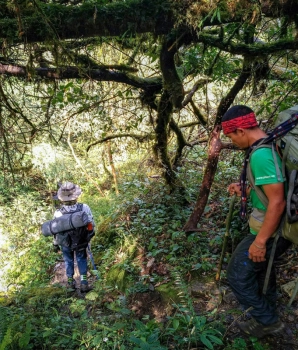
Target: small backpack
[284, 137]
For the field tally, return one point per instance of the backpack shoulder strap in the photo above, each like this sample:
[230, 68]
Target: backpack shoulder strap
[261, 195]
[285, 153]
[62, 210]
[79, 207]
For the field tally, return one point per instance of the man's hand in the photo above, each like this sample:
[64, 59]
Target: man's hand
[234, 188]
[256, 252]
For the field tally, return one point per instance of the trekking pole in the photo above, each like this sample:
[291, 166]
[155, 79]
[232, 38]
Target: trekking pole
[228, 225]
[272, 254]
[92, 261]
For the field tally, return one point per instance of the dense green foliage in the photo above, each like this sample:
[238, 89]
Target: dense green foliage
[140, 224]
[160, 74]
[125, 98]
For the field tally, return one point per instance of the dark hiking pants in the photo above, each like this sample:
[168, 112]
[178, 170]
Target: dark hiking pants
[247, 278]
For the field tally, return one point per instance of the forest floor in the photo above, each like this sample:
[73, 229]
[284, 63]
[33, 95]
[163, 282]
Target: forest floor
[219, 304]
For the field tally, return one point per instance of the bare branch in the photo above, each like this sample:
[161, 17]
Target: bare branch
[200, 83]
[140, 138]
[257, 48]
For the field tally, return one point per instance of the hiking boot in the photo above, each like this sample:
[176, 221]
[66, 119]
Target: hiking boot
[71, 283]
[256, 329]
[85, 288]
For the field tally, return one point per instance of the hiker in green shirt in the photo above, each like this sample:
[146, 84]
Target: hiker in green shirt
[248, 265]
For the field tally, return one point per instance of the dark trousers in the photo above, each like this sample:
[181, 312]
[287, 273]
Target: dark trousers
[247, 278]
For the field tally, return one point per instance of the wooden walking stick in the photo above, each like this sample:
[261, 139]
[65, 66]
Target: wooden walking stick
[228, 225]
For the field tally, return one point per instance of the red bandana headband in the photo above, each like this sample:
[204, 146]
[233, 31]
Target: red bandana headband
[244, 122]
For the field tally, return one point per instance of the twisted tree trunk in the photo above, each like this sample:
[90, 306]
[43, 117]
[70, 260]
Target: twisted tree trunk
[213, 154]
[215, 147]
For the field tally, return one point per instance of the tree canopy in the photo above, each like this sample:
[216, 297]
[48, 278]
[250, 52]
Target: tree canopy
[162, 72]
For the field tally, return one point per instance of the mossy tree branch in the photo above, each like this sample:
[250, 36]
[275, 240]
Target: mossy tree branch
[118, 18]
[63, 73]
[181, 142]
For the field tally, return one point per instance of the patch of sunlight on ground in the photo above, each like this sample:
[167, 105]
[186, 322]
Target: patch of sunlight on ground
[3, 241]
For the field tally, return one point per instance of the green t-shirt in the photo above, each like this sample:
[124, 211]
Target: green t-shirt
[263, 169]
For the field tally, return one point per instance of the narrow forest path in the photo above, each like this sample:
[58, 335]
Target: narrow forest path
[219, 304]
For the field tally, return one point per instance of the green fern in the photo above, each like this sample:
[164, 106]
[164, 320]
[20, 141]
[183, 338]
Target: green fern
[25, 337]
[183, 293]
[187, 323]
[7, 340]
[4, 314]
[10, 331]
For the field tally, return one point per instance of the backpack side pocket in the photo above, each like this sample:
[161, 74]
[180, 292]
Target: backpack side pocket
[290, 231]
[256, 219]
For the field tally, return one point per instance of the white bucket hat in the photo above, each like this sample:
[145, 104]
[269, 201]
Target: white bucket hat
[68, 192]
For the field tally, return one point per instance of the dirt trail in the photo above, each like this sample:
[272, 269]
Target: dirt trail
[60, 274]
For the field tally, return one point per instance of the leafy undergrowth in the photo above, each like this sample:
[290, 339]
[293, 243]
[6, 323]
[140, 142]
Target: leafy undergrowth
[153, 287]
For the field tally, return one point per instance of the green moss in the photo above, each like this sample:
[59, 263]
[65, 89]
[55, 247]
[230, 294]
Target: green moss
[4, 300]
[196, 275]
[118, 278]
[169, 293]
[39, 294]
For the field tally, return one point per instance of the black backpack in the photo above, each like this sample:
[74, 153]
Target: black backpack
[76, 238]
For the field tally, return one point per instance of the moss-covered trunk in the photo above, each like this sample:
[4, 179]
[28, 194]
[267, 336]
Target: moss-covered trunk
[171, 98]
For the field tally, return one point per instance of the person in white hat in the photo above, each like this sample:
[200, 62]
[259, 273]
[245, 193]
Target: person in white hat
[68, 194]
